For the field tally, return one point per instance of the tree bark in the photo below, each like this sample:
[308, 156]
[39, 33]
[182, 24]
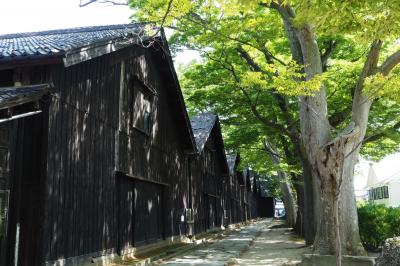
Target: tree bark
[299, 188]
[288, 200]
[287, 192]
[310, 185]
[310, 218]
[348, 218]
[331, 161]
[328, 159]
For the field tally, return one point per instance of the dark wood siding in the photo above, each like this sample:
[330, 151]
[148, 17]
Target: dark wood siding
[157, 156]
[208, 186]
[80, 212]
[113, 183]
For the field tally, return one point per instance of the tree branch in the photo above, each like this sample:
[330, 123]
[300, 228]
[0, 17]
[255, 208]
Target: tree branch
[253, 65]
[328, 52]
[253, 107]
[281, 101]
[287, 14]
[370, 64]
[166, 13]
[198, 19]
[380, 135]
[392, 61]
[272, 151]
[124, 3]
[270, 57]
[361, 103]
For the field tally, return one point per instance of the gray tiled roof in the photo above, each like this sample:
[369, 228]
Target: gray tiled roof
[58, 42]
[202, 125]
[231, 159]
[12, 96]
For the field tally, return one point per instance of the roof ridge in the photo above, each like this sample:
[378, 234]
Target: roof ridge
[202, 114]
[70, 30]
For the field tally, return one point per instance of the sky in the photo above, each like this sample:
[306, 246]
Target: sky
[38, 15]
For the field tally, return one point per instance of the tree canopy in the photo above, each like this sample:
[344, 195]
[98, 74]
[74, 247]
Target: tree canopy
[307, 84]
[244, 45]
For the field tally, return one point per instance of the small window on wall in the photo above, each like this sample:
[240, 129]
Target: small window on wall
[375, 193]
[141, 108]
[147, 122]
[370, 194]
[380, 196]
[385, 192]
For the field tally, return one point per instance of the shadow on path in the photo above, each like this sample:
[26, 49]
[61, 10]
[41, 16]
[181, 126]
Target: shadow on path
[224, 250]
[274, 246]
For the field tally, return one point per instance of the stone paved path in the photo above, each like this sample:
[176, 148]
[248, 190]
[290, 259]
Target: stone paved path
[274, 247]
[222, 251]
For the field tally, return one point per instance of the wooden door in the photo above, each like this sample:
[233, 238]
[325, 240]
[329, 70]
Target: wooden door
[149, 218]
[212, 211]
[125, 214]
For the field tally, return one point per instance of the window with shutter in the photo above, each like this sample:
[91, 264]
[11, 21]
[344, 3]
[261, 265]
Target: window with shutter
[385, 192]
[142, 101]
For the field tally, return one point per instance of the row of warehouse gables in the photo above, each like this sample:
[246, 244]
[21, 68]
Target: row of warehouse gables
[114, 161]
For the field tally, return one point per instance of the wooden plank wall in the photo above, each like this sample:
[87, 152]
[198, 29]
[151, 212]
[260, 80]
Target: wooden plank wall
[80, 211]
[159, 157]
[234, 197]
[207, 190]
[90, 209]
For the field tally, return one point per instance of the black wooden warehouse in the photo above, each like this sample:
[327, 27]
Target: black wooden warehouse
[97, 153]
[210, 169]
[236, 187]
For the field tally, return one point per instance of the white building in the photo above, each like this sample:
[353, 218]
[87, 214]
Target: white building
[386, 191]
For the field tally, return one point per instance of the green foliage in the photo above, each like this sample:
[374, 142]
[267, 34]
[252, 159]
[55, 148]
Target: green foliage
[366, 19]
[224, 82]
[377, 223]
[378, 86]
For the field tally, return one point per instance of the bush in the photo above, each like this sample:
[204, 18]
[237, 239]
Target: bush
[377, 223]
[393, 220]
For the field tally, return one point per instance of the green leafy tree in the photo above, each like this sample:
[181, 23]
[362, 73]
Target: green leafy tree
[309, 72]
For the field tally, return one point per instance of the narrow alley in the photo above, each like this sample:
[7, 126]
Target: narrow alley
[264, 242]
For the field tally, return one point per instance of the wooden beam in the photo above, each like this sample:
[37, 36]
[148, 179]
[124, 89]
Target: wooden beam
[142, 179]
[20, 116]
[100, 48]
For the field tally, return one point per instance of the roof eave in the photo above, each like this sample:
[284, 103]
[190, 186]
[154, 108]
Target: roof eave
[31, 60]
[97, 49]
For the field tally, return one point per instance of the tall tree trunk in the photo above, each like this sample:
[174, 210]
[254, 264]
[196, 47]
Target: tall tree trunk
[328, 158]
[286, 189]
[349, 232]
[300, 228]
[310, 184]
[332, 161]
[337, 231]
[310, 218]
[288, 200]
